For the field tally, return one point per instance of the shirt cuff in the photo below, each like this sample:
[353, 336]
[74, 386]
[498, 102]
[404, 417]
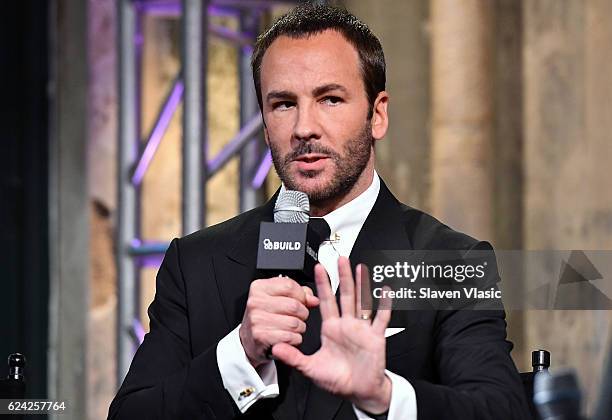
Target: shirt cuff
[245, 384]
[403, 403]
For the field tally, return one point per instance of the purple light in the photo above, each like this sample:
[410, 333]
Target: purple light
[173, 9]
[222, 11]
[158, 132]
[262, 171]
[236, 144]
[151, 261]
[138, 331]
[160, 8]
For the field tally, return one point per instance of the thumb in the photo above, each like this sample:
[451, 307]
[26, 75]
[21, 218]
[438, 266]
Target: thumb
[311, 299]
[289, 355]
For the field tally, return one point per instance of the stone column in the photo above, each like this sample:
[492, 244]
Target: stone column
[403, 157]
[462, 115]
[507, 141]
[68, 207]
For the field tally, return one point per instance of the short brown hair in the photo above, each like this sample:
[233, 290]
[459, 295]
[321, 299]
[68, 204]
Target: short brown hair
[308, 19]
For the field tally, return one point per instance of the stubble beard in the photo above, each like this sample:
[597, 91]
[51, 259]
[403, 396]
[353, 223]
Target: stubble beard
[348, 166]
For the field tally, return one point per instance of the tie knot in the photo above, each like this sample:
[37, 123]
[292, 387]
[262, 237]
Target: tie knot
[321, 227]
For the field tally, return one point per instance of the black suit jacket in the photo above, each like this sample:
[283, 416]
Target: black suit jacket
[457, 361]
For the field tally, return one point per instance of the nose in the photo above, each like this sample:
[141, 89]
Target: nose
[306, 125]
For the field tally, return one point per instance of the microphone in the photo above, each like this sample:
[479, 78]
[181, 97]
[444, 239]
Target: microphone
[557, 396]
[290, 245]
[292, 207]
[604, 406]
[14, 385]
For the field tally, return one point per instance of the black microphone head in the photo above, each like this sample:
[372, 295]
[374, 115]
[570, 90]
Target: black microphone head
[540, 360]
[16, 362]
[557, 396]
[292, 207]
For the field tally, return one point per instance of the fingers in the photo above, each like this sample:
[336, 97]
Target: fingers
[280, 322]
[266, 338]
[383, 313]
[347, 288]
[327, 301]
[277, 305]
[280, 286]
[256, 338]
[275, 312]
[363, 298]
[290, 356]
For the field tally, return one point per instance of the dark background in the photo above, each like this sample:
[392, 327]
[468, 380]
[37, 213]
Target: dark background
[23, 184]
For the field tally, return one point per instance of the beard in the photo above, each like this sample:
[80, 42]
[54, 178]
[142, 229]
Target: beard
[348, 165]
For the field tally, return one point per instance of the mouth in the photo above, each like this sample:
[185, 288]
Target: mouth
[310, 157]
[311, 161]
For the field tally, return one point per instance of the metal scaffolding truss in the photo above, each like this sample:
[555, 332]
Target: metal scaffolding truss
[135, 155]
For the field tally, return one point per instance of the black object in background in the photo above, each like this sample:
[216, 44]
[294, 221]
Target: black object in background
[14, 386]
[557, 395]
[24, 262]
[540, 361]
[604, 404]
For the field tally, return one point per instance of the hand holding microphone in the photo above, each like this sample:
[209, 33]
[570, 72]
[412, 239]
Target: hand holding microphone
[277, 307]
[276, 311]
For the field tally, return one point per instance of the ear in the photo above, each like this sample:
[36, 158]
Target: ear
[266, 137]
[380, 118]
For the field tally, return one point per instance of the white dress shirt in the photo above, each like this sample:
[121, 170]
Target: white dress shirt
[246, 384]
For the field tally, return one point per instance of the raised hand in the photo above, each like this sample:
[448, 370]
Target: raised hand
[275, 312]
[351, 360]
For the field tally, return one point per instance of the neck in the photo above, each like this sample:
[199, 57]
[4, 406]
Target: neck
[320, 209]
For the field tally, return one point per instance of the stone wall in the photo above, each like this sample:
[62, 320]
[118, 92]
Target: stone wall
[567, 156]
[403, 158]
[545, 102]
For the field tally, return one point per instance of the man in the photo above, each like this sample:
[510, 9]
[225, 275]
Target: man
[319, 74]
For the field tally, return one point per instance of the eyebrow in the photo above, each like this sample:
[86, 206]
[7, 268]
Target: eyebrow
[280, 94]
[318, 91]
[321, 90]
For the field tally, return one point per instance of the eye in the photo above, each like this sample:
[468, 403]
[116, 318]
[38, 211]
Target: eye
[282, 105]
[332, 100]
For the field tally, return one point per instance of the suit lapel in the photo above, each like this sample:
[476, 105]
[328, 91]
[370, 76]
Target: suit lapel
[383, 228]
[234, 273]
[235, 268]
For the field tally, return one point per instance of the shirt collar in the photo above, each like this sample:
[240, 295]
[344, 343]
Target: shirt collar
[353, 214]
[346, 221]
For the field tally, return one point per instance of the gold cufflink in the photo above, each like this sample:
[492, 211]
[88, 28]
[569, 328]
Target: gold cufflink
[246, 392]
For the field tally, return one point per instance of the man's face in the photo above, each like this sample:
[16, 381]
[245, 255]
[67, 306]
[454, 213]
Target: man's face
[316, 112]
